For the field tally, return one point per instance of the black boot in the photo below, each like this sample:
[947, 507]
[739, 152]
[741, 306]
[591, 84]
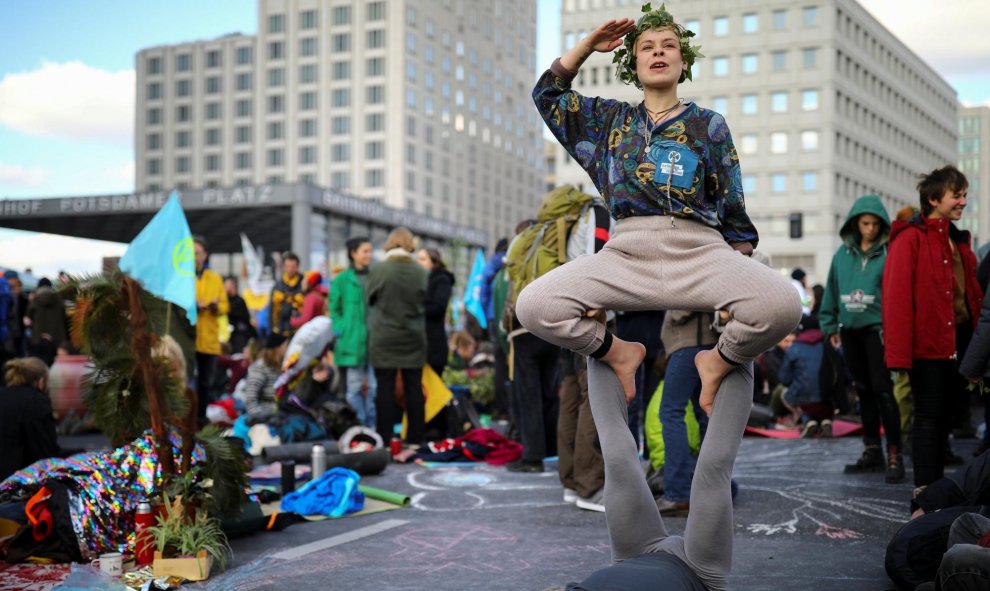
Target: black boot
[895, 465]
[870, 461]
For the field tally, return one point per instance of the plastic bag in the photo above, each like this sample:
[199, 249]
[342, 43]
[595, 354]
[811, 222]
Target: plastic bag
[84, 577]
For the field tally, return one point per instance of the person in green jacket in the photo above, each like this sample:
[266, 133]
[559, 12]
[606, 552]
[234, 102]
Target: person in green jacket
[347, 313]
[850, 316]
[396, 294]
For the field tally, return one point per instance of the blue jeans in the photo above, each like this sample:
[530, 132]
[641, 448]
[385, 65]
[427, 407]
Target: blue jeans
[363, 406]
[681, 384]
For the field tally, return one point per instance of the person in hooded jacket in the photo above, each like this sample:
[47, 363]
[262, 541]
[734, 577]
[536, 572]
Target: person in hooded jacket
[929, 318]
[850, 316]
[799, 372]
[47, 314]
[439, 286]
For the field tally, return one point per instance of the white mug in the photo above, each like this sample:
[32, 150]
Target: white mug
[112, 563]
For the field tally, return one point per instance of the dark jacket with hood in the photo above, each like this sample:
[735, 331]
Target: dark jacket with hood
[855, 280]
[919, 316]
[47, 314]
[395, 295]
[438, 290]
[801, 366]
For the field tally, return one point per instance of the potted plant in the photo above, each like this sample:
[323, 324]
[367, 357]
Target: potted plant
[187, 548]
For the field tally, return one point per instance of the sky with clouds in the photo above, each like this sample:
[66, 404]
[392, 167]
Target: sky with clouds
[67, 89]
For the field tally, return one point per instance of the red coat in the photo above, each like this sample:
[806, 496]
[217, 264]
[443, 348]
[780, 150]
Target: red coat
[919, 287]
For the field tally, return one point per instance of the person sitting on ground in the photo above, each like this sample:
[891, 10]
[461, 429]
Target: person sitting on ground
[259, 386]
[467, 353]
[27, 423]
[799, 372]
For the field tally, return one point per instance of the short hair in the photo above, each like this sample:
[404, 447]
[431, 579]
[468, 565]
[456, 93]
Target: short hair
[25, 371]
[290, 256]
[355, 243]
[202, 242]
[400, 237]
[435, 258]
[932, 186]
[502, 245]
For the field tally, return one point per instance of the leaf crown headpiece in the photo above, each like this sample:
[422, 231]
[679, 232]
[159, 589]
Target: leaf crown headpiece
[625, 56]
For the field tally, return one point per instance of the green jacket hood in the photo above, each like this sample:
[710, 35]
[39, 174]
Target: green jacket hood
[850, 229]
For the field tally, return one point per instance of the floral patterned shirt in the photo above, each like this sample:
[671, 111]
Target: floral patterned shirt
[686, 166]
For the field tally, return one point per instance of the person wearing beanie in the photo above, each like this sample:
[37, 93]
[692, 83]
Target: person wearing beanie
[314, 300]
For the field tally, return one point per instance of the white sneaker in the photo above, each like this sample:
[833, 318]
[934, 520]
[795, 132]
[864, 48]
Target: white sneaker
[595, 502]
[570, 495]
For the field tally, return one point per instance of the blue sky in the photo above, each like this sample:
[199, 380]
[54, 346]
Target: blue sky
[66, 78]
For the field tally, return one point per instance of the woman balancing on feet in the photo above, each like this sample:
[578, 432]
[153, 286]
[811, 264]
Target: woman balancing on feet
[670, 176]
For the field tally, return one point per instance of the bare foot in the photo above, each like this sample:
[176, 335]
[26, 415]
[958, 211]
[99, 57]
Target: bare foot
[624, 358]
[711, 369]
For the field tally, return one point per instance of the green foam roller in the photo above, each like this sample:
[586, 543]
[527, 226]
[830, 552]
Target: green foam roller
[385, 495]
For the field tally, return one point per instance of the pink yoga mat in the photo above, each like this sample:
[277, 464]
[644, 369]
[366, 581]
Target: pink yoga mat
[840, 428]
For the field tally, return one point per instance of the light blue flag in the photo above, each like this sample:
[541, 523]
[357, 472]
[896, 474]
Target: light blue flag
[162, 259]
[472, 295]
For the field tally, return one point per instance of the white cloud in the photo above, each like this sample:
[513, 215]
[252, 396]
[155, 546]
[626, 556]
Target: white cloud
[122, 175]
[70, 101]
[14, 174]
[948, 34]
[46, 254]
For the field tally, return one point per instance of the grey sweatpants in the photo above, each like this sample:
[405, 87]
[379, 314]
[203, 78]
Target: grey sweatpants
[652, 264]
[634, 523]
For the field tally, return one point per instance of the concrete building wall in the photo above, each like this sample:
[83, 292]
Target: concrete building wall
[974, 162]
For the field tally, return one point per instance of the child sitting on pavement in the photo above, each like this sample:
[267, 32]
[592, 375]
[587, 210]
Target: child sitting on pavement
[799, 372]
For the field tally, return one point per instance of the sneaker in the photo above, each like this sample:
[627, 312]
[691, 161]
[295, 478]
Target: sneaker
[570, 496]
[895, 466]
[870, 461]
[826, 430]
[534, 466]
[594, 502]
[670, 508]
[811, 429]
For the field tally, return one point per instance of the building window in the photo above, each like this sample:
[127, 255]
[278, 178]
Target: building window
[341, 42]
[411, 126]
[307, 101]
[809, 57]
[212, 137]
[411, 42]
[340, 180]
[183, 113]
[182, 139]
[411, 98]
[411, 185]
[276, 50]
[809, 100]
[153, 166]
[183, 88]
[276, 130]
[376, 11]
[307, 155]
[243, 134]
[779, 20]
[778, 142]
[276, 103]
[410, 154]
[778, 60]
[307, 19]
[375, 66]
[244, 55]
[342, 70]
[341, 125]
[154, 90]
[213, 58]
[720, 26]
[154, 65]
[809, 15]
[154, 141]
[243, 160]
[341, 15]
[720, 66]
[182, 164]
[748, 143]
[720, 104]
[244, 81]
[374, 150]
[340, 152]
[751, 22]
[749, 104]
[213, 85]
[778, 102]
[692, 24]
[212, 162]
[749, 183]
[778, 182]
[341, 97]
[183, 62]
[375, 95]
[276, 23]
[809, 140]
[376, 38]
[307, 128]
[276, 76]
[374, 122]
[750, 63]
[307, 74]
[411, 71]
[307, 47]
[275, 157]
[373, 177]
[809, 181]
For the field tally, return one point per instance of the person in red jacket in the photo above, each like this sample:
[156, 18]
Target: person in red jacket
[929, 315]
[315, 301]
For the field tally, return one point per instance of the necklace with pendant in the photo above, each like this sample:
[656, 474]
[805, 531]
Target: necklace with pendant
[651, 124]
